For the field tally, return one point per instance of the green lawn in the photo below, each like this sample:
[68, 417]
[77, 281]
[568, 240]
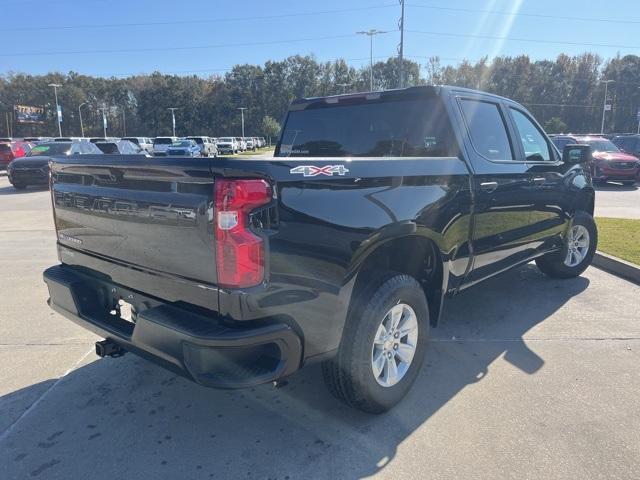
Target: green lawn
[620, 237]
[258, 151]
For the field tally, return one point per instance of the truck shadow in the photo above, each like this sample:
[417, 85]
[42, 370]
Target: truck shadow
[122, 418]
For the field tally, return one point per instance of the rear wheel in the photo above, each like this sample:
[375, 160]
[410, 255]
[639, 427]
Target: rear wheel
[578, 251]
[382, 346]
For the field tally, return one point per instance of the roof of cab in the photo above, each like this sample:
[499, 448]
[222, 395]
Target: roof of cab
[424, 90]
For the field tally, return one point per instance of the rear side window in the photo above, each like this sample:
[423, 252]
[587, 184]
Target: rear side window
[535, 145]
[391, 128]
[487, 129]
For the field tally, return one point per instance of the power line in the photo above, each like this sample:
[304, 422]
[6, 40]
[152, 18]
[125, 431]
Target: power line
[518, 39]
[192, 21]
[165, 49]
[213, 70]
[524, 14]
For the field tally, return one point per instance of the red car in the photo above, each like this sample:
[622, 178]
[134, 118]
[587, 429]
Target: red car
[11, 150]
[609, 162]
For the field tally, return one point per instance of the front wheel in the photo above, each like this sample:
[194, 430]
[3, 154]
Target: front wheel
[578, 250]
[383, 345]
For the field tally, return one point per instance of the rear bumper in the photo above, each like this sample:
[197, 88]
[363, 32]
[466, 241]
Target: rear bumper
[184, 340]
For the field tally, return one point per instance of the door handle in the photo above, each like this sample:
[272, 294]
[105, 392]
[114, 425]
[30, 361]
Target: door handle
[538, 180]
[489, 187]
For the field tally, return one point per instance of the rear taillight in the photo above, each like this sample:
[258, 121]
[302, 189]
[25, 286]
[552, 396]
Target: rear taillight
[239, 251]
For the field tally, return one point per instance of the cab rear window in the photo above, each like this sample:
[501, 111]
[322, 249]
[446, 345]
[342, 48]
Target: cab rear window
[398, 128]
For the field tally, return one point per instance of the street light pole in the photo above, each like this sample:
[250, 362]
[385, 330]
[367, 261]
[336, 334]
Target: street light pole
[371, 33]
[80, 115]
[401, 46]
[104, 121]
[242, 109]
[124, 123]
[173, 118]
[604, 105]
[55, 93]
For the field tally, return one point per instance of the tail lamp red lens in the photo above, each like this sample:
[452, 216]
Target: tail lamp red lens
[239, 251]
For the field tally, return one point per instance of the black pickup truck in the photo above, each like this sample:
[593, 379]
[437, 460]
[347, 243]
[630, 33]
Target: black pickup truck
[340, 249]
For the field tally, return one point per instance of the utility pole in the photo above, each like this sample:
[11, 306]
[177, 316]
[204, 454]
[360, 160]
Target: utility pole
[58, 111]
[80, 115]
[371, 33]
[344, 86]
[173, 118]
[401, 46]
[104, 121]
[242, 109]
[124, 123]
[604, 106]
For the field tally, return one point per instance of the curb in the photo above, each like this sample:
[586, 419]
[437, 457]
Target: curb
[616, 266]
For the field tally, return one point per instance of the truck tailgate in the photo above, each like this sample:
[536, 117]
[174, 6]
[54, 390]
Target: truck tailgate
[151, 214]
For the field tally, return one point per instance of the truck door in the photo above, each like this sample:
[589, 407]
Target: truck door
[502, 183]
[549, 193]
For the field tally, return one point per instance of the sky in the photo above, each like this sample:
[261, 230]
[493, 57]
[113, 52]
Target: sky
[209, 37]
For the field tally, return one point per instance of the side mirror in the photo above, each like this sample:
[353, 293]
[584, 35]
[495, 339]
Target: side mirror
[576, 153]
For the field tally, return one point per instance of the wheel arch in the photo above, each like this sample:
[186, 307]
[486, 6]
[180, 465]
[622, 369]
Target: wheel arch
[411, 253]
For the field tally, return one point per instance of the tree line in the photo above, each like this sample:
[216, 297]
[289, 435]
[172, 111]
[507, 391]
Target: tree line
[565, 94]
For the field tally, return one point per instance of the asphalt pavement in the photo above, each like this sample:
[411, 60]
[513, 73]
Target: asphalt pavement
[618, 201]
[527, 378]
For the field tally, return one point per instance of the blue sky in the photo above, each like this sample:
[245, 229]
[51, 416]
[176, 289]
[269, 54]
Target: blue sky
[252, 31]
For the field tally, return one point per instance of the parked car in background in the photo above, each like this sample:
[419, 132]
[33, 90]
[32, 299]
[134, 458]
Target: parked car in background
[207, 147]
[263, 142]
[33, 169]
[242, 145]
[184, 148]
[144, 143]
[628, 143]
[122, 147]
[160, 145]
[11, 150]
[228, 145]
[608, 162]
[68, 139]
[250, 142]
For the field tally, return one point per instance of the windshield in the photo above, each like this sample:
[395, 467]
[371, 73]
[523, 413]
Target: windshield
[50, 149]
[226, 140]
[196, 139]
[401, 127]
[163, 141]
[603, 146]
[132, 139]
[182, 143]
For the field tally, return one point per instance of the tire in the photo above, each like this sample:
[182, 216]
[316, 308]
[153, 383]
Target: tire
[349, 376]
[556, 264]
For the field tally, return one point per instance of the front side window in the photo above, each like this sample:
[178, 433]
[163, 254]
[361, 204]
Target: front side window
[487, 129]
[534, 143]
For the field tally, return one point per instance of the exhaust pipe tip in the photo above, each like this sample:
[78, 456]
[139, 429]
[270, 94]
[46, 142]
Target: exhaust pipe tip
[109, 348]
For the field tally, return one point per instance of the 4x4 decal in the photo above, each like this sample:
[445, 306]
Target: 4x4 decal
[313, 171]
